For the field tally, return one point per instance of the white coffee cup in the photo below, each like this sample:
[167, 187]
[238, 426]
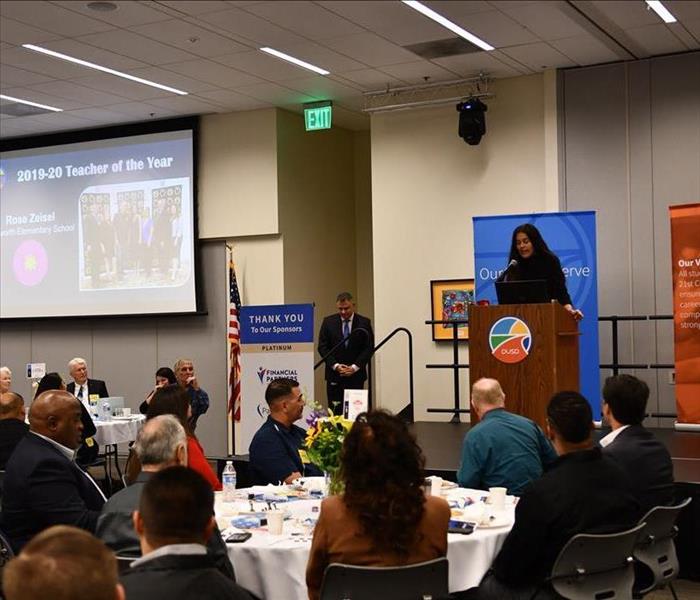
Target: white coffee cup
[126, 411]
[275, 522]
[497, 498]
[435, 486]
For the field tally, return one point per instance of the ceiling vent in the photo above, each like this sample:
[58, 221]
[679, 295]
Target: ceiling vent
[453, 46]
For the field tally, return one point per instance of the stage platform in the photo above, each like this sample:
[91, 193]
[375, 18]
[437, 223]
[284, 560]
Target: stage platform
[442, 445]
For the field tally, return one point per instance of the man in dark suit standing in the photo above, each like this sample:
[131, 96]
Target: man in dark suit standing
[645, 459]
[43, 486]
[346, 366]
[83, 388]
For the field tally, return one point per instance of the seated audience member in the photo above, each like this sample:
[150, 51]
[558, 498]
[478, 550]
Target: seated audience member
[5, 379]
[583, 492]
[12, 425]
[162, 443]
[503, 449]
[83, 388]
[63, 563]
[173, 400]
[645, 459]
[199, 399]
[164, 376]
[89, 448]
[383, 518]
[43, 486]
[174, 520]
[275, 451]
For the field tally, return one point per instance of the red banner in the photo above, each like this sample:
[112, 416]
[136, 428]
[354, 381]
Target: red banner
[685, 254]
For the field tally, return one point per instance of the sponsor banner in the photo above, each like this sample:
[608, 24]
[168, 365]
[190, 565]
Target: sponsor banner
[276, 341]
[685, 256]
[277, 324]
[572, 237]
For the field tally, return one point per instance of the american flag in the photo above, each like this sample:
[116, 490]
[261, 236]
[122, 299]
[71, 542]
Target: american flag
[234, 339]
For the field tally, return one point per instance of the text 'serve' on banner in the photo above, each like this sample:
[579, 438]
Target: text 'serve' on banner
[685, 254]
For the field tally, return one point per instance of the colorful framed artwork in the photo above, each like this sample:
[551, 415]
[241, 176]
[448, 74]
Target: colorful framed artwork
[449, 299]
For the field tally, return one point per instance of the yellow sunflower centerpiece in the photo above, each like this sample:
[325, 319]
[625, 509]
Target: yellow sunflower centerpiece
[324, 441]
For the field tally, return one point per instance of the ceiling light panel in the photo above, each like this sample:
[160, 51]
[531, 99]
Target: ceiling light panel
[296, 61]
[29, 103]
[97, 67]
[661, 10]
[447, 24]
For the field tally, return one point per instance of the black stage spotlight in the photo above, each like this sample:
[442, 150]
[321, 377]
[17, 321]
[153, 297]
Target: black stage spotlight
[472, 121]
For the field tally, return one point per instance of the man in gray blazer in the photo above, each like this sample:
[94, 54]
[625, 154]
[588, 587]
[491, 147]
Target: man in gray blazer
[634, 448]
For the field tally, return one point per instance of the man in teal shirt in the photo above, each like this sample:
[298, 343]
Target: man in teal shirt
[503, 449]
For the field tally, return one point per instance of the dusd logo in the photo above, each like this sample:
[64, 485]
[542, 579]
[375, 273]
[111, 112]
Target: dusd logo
[510, 340]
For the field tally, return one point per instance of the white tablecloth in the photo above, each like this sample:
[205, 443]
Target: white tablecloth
[274, 567]
[118, 431]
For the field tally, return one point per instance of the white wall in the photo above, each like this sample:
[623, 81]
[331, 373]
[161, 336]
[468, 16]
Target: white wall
[238, 174]
[426, 185]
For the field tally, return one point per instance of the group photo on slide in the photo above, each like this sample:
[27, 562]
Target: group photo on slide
[379, 300]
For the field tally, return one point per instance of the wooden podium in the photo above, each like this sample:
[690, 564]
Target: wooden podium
[530, 368]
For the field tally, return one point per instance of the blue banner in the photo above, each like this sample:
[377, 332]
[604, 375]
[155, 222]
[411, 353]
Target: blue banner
[572, 237]
[277, 324]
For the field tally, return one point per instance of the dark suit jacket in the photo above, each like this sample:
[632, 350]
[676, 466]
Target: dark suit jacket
[43, 488]
[648, 464]
[11, 432]
[116, 528]
[180, 577]
[359, 349]
[583, 492]
[95, 386]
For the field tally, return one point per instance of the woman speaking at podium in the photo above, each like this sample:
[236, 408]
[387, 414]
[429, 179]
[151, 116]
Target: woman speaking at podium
[530, 259]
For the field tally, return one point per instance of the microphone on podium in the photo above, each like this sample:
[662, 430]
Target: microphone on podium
[511, 264]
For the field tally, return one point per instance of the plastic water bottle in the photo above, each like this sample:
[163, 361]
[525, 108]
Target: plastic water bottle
[229, 481]
[106, 412]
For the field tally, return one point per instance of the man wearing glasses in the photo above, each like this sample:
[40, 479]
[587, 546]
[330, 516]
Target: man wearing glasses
[276, 452]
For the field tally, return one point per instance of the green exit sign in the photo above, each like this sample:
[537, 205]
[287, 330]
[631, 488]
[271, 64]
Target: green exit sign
[318, 116]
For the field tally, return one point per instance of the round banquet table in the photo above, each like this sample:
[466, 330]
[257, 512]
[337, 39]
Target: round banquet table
[274, 566]
[119, 430]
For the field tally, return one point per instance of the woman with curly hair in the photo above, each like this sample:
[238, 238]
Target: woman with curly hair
[383, 518]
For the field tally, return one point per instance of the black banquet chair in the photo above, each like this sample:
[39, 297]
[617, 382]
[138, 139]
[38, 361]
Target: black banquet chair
[596, 566]
[411, 582]
[656, 551]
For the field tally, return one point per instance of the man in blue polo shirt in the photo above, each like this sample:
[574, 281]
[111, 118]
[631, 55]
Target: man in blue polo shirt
[276, 452]
[503, 449]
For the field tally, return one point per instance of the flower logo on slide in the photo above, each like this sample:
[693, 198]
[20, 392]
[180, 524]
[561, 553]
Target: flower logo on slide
[510, 340]
[30, 263]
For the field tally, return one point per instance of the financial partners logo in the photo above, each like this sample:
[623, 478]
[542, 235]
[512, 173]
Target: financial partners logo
[510, 340]
[261, 374]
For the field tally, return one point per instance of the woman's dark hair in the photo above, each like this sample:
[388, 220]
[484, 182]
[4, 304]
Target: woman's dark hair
[171, 400]
[168, 373]
[539, 245]
[382, 468]
[50, 381]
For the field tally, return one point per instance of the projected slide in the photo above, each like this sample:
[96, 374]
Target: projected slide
[98, 228]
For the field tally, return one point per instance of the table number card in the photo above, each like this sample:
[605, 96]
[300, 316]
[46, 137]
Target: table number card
[354, 403]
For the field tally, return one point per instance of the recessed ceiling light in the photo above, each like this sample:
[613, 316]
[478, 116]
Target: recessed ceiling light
[661, 10]
[438, 18]
[296, 61]
[85, 63]
[102, 6]
[28, 103]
